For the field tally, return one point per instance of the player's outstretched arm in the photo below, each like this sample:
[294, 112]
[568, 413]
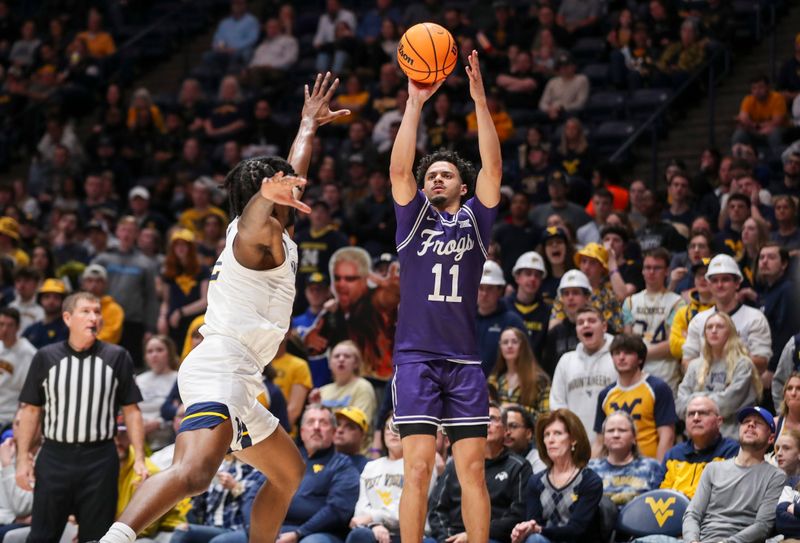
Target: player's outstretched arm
[316, 112]
[487, 187]
[401, 166]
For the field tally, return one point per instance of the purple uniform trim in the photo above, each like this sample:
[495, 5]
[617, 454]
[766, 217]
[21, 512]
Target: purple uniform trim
[441, 261]
[440, 392]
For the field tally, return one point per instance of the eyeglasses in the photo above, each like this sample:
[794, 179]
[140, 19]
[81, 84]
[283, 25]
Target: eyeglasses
[515, 425]
[347, 278]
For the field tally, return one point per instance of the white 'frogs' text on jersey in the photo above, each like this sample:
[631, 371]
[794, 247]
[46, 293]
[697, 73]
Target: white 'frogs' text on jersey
[650, 316]
[252, 306]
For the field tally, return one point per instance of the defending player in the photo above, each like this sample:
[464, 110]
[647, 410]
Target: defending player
[441, 243]
[249, 306]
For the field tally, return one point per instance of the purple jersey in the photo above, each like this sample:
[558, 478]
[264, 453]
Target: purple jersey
[441, 262]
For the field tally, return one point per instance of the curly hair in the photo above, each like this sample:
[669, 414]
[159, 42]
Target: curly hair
[465, 168]
[244, 181]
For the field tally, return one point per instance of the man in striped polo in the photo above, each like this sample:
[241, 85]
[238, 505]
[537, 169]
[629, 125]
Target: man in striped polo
[72, 394]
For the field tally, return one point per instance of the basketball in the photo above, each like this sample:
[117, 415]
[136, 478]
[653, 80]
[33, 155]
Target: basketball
[427, 53]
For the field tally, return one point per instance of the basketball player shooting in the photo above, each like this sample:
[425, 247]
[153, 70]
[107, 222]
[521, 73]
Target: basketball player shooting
[249, 306]
[441, 244]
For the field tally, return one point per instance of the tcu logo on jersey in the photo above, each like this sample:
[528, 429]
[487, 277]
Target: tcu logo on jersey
[437, 246]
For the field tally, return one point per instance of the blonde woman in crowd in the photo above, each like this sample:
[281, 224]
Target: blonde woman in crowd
[724, 370]
[156, 384]
[347, 388]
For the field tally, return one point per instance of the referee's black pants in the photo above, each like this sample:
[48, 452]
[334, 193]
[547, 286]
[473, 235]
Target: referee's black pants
[74, 479]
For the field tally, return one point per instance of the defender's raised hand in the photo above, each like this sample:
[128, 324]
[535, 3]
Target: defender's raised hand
[280, 189]
[476, 90]
[317, 106]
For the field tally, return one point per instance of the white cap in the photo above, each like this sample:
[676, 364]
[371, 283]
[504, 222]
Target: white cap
[140, 192]
[95, 270]
[492, 274]
[530, 261]
[722, 264]
[574, 279]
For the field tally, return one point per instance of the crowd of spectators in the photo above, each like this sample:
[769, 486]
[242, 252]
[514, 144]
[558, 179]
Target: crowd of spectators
[626, 332]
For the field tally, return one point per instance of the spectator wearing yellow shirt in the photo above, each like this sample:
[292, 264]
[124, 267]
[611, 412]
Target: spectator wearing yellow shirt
[500, 117]
[95, 279]
[762, 116]
[202, 207]
[99, 42]
[9, 242]
[141, 108]
[354, 98]
[700, 299]
[129, 481]
[293, 377]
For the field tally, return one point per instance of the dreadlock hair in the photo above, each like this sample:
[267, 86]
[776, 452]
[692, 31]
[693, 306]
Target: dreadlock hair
[465, 168]
[244, 181]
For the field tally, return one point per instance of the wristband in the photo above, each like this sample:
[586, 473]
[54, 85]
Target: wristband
[612, 272]
[374, 450]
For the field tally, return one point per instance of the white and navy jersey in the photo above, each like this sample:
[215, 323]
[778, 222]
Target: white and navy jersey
[650, 316]
[251, 306]
[441, 262]
[80, 392]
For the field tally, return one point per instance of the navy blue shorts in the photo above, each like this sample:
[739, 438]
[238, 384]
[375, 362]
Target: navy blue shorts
[440, 392]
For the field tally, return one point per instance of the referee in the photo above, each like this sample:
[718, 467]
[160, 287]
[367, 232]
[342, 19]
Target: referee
[72, 394]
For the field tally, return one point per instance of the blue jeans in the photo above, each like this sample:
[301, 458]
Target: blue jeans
[197, 533]
[365, 535]
[321, 537]
[537, 538]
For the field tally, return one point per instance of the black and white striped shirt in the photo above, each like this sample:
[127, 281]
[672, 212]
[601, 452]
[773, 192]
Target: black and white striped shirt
[80, 392]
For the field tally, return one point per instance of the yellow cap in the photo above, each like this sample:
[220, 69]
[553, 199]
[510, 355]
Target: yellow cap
[593, 250]
[9, 227]
[183, 234]
[53, 286]
[356, 415]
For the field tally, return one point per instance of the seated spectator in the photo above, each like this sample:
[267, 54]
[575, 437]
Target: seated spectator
[685, 462]
[16, 355]
[26, 283]
[573, 155]
[657, 232]
[520, 433]
[787, 453]
[503, 123]
[377, 513]
[99, 42]
[274, 56]
[142, 108]
[493, 315]
[680, 209]
[574, 291]
[324, 503]
[23, 50]
[565, 93]
[234, 39]
[582, 374]
[94, 279]
[293, 377]
[329, 57]
[352, 426]
[227, 120]
[506, 493]
[736, 498]
[354, 98]
[156, 383]
[51, 328]
[218, 511]
[682, 266]
[162, 458]
[645, 397]
[16, 504]
[559, 204]
[788, 400]
[129, 480]
[700, 299]
[519, 85]
[762, 117]
[724, 370]
[680, 59]
[602, 200]
[347, 388]
[579, 17]
[517, 376]
[10, 241]
[633, 65]
[624, 471]
[624, 255]
[546, 50]
[202, 206]
[562, 500]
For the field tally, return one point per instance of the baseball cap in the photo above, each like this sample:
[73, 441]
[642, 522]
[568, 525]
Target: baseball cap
[183, 234]
[317, 278]
[722, 264]
[383, 258]
[9, 227]
[553, 232]
[53, 286]
[492, 274]
[593, 250]
[139, 192]
[761, 412]
[564, 59]
[96, 271]
[356, 415]
[574, 279]
[530, 261]
[703, 263]
[557, 177]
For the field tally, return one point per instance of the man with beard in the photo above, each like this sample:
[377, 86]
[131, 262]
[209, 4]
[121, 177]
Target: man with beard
[365, 315]
[51, 329]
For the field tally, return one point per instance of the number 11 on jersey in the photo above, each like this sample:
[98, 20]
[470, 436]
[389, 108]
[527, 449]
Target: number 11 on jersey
[437, 296]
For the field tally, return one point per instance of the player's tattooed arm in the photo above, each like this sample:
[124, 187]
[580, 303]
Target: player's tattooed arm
[487, 187]
[316, 112]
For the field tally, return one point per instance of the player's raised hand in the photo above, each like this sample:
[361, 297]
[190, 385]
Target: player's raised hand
[476, 90]
[420, 92]
[317, 106]
[280, 189]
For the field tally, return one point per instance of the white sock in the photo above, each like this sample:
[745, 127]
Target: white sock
[119, 533]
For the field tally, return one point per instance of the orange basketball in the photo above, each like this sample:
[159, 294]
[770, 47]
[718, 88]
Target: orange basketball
[427, 53]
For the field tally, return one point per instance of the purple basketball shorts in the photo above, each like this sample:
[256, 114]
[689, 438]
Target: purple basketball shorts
[440, 392]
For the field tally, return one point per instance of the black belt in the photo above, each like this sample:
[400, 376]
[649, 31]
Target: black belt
[62, 445]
